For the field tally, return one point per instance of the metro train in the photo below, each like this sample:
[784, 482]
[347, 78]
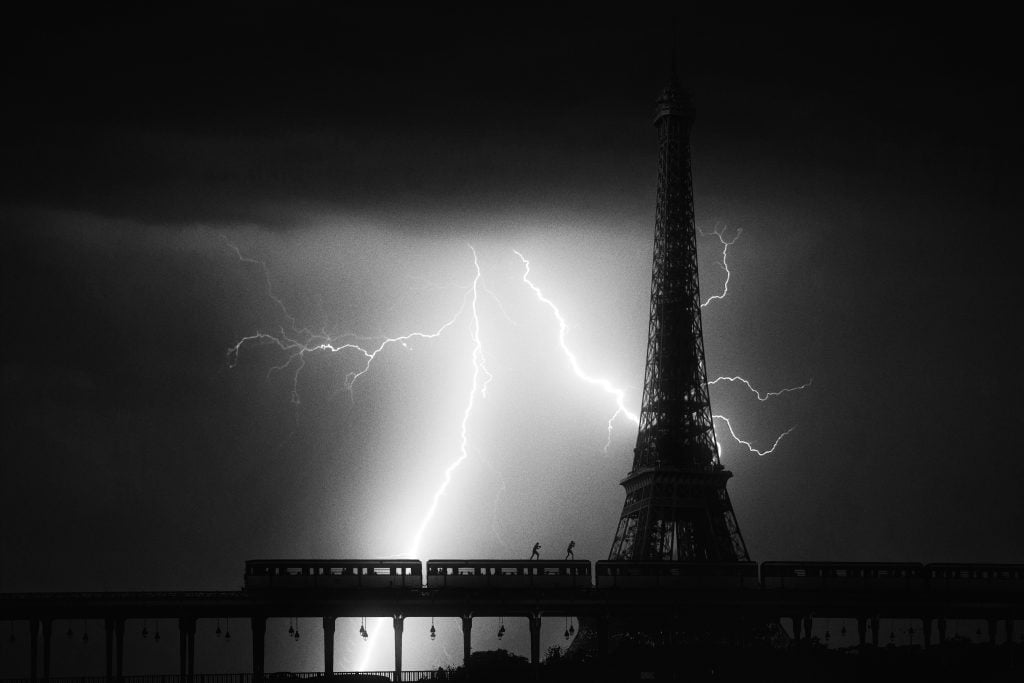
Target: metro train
[408, 574]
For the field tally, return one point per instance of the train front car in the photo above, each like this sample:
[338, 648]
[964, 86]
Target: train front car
[332, 575]
[615, 574]
[858, 577]
[468, 574]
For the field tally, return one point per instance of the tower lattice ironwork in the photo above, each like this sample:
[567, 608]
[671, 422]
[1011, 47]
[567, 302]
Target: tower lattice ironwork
[676, 505]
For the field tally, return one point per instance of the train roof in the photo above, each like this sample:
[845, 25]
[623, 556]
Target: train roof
[327, 562]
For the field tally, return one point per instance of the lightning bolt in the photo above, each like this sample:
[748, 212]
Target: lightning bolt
[296, 342]
[724, 265]
[481, 378]
[761, 396]
[619, 395]
[563, 329]
[750, 447]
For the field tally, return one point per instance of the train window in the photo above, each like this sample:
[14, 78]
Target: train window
[467, 571]
[510, 571]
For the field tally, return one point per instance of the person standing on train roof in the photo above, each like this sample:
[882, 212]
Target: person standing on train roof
[568, 551]
[535, 555]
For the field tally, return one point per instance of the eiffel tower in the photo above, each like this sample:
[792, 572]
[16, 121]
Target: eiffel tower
[676, 505]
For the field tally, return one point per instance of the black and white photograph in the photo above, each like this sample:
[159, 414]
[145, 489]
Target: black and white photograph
[367, 343]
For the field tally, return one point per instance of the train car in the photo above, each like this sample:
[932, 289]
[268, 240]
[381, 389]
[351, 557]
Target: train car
[508, 574]
[843, 576]
[332, 574]
[682, 575]
[976, 578]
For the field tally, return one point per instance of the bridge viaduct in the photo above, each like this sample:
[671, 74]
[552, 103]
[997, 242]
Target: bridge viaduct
[599, 606]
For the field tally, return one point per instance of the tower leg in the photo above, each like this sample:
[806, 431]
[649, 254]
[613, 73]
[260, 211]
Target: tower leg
[328, 645]
[399, 623]
[259, 631]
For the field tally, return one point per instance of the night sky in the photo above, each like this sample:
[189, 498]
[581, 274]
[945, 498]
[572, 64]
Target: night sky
[873, 168]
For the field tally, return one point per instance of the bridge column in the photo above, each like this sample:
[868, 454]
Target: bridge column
[535, 639]
[191, 646]
[328, 645]
[186, 645]
[797, 624]
[1009, 631]
[992, 624]
[33, 647]
[259, 631]
[119, 645]
[874, 631]
[942, 629]
[602, 635]
[926, 630]
[467, 638]
[862, 629]
[399, 623]
[807, 626]
[47, 632]
[108, 641]
[182, 647]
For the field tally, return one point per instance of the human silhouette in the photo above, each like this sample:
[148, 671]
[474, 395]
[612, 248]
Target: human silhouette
[568, 551]
[536, 552]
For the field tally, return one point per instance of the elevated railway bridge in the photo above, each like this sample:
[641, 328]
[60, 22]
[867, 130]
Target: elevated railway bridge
[603, 592]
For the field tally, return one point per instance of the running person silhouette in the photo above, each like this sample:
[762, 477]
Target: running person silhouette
[536, 552]
[568, 551]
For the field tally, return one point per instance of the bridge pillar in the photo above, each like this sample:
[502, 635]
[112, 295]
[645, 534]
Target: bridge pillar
[874, 631]
[47, 625]
[797, 624]
[602, 635]
[33, 647]
[119, 646]
[108, 641]
[862, 629]
[328, 645]
[942, 629]
[807, 626]
[399, 622]
[1009, 631]
[535, 639]
[191, 625]
[992, 625]
[182, 647]
[259, 632]
[467, 638]
[926, 628]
